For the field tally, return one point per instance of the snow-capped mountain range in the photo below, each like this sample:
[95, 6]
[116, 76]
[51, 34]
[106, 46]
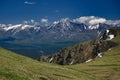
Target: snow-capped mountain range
[64, 28]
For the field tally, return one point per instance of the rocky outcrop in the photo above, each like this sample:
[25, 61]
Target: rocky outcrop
[82, 52]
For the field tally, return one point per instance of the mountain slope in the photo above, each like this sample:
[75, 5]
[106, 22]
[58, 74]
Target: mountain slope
[17, 67]
[85, 51]
[107, 67]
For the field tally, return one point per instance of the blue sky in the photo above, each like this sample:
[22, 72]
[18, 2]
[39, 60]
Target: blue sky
[16, 11]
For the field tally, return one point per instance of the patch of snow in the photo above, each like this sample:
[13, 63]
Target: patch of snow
[64, 20]
[109, 37]
[90, 27]
[72, 62]
[25, 26]
[51, 59]
[12, 27]
[89, 60]
[99, 55]
[107, 31]
[37, 28]
[55, 22]
[96, 26]
[85, 27]
[110, 49]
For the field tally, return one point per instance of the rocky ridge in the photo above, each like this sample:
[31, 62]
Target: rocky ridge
[84, 52]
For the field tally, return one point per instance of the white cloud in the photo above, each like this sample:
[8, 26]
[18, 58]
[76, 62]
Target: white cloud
[96, 21]
[84, 19]
[44, 21]
[114, 22]
[90, 20]
[29, 3]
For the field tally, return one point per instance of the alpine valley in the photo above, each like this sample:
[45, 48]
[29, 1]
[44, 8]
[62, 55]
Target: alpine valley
[97, 59]
[33, 40]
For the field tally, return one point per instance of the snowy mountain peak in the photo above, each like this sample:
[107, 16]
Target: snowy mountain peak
[65, 20]
[64, 25]
[19, 27]
[9, 27]
[25, 27]
[62, 29]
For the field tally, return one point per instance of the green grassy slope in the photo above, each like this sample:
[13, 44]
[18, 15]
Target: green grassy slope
[107, 67]
[17, 67]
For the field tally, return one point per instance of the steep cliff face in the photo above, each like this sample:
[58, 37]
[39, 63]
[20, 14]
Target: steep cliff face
[83, 52]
